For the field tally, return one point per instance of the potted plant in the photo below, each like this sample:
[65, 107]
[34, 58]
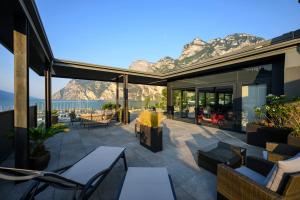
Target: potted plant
[294, 122]
[151, 131]
[39, 155]
[54, 117]
[271, 123]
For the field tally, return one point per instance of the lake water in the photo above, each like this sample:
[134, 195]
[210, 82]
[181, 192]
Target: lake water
[70, 104]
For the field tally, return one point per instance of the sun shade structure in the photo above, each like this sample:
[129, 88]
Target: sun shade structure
[225, 81]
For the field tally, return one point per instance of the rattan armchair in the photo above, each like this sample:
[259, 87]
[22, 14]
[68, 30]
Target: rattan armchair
[234, 186]
[279, 151]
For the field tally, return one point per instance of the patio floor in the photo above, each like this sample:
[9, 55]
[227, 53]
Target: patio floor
[181, 141]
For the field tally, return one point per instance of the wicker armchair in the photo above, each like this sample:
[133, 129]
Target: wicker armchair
[234, 186]
[279, 151]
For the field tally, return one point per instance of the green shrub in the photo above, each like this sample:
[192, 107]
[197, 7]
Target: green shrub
[109, 106]
[39, 134]
[274, 113]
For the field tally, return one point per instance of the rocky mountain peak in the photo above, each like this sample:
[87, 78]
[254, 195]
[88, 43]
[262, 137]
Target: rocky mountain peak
[190, 49]
[141, 65]
[193, 52]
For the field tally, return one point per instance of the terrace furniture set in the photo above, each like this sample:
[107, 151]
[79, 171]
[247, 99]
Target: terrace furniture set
[89, 120]
[87, 174]
[277, 176]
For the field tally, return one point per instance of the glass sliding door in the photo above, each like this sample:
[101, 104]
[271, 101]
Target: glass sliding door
[215, 107]
[184, 104]
[177, 100]
[252, 96]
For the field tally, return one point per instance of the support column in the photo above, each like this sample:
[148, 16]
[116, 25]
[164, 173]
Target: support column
[47, 74]
[117, 98]
[181, 103]
[291, 72]
[21, 91]
[117, 93]
[196, 105]
[125, 90]
[170, 106]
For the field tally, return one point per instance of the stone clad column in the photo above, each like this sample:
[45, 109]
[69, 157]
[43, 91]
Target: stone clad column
[47, 74]
[21, 91]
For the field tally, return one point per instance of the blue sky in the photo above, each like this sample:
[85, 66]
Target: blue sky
[117, 32]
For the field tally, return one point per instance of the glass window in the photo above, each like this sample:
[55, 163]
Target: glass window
[252, 96]
[210, 99]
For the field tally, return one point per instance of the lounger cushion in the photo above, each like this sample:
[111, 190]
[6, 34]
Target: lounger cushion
[258, 178]
[145, 183]
[100, 159]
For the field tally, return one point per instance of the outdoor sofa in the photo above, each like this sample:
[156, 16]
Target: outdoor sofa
[240, 184]
[224, 153]
[90, 120]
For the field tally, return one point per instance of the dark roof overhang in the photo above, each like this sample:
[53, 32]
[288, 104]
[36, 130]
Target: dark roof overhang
[79, 70]
[40, 53]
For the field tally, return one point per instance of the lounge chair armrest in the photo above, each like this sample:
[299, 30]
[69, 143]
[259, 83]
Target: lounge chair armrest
[259, 165]
[274, 157]
[280, 148]
[233, 185]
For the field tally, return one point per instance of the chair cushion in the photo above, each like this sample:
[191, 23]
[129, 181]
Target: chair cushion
[275, 176]
[258, 178]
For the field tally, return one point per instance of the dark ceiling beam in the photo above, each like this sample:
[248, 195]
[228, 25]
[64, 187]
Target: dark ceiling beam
[34, 23]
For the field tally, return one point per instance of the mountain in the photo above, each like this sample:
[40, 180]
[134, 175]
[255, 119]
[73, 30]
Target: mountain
[198, 50]
[97, 90]
[193, 52]
[6, 97]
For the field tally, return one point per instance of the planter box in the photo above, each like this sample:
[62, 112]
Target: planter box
[151, 138]
[293, 141]
[40, 162]
[54, 119]
[258, 135]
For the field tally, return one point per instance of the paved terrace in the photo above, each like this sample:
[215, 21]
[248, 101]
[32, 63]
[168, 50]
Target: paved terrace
[181, 140]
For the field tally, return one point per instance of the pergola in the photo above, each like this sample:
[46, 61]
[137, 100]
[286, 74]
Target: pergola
[22, 33]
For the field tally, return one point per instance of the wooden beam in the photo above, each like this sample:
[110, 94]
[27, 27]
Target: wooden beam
[196, 105]
[125, 91]
[21, 91]
[47, 73]
[117, 93]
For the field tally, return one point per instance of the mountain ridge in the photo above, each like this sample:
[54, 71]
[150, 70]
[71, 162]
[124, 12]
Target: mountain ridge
[193, 52]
